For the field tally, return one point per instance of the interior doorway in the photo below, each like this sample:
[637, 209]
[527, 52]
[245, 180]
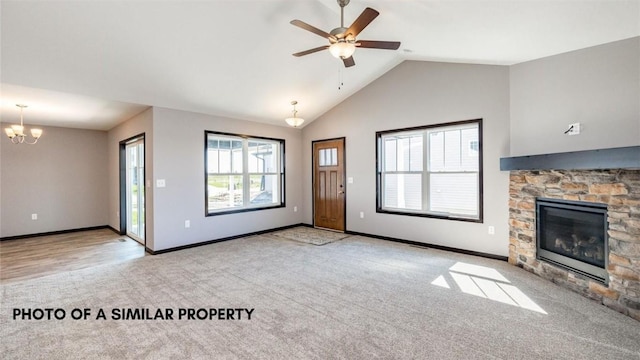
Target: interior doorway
[132, 189]
[329, 191]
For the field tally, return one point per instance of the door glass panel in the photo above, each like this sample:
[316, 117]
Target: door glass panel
[328, 157]
[135, 189]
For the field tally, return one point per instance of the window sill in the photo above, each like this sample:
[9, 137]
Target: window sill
[429, 215]
[243, 210]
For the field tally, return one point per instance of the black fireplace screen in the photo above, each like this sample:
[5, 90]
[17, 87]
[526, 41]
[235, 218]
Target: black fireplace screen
[573, 234]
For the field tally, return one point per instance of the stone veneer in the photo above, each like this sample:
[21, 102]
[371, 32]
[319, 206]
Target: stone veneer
[620, 190]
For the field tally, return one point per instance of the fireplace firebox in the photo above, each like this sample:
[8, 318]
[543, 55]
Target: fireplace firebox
[573, 235]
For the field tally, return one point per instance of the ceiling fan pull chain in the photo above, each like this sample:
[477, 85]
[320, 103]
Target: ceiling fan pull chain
[340, 79]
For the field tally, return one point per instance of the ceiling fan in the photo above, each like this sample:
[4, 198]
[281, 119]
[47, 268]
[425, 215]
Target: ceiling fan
[342, 40]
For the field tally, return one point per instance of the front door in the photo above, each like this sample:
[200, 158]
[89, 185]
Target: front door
[329, 196]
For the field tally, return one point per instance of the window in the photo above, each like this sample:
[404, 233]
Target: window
[432, 171]
[243, 173]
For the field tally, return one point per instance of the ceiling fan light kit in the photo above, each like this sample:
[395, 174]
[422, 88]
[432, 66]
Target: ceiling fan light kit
[342, 49]
[16, 132]
[342, 40]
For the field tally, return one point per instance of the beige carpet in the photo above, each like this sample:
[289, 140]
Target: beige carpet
[358, 298]
[311, 235]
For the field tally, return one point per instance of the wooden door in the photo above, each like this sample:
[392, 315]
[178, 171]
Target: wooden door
[329, 196]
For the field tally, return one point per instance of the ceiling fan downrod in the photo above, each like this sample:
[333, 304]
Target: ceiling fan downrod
[342, 4]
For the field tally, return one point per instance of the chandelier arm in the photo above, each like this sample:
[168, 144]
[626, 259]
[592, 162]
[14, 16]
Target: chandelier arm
[29, 143]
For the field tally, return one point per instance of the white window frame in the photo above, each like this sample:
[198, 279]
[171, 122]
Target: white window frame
[426, 171]
[245, 174]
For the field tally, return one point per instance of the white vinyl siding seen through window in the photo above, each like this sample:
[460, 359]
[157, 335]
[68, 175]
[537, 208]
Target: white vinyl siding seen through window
[431, 171]
[243, 173]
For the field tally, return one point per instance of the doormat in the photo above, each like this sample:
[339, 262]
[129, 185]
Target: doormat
[310, 235]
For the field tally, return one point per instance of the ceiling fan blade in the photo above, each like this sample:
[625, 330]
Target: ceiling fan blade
[362, 21]
[387, 45]
[311, 51]
[313, 29]
[348, 62]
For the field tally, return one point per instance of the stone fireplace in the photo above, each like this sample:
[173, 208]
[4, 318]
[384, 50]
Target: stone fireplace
[612, 193]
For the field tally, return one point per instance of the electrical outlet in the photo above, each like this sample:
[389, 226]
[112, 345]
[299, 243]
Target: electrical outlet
[295, 209]
[160, 183]
[187, 224]
[491, 230]
[361, 214]
[34, 216]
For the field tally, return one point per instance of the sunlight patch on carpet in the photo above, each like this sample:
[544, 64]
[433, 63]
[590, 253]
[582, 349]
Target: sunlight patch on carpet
[486, 283]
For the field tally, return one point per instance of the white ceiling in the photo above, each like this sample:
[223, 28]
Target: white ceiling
[46, 107]
[93, 64]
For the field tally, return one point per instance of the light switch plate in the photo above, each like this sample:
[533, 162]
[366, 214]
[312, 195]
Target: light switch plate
[160, 183]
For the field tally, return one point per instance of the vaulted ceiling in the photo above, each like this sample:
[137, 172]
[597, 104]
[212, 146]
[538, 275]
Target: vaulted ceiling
[93, 64]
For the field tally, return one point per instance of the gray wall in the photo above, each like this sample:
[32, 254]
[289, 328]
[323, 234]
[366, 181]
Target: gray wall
[598, 87]
[62, 178]
[414, 94]
[178, 145]
[141, 123]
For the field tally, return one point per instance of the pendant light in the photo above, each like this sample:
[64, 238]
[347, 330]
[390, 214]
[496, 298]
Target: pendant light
[294, 121]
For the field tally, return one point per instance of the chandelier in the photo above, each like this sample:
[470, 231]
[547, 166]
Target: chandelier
[16, 132]
[294, 121]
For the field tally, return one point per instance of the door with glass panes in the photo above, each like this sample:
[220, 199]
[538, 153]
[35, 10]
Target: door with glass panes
[135, 190]
[329, 197]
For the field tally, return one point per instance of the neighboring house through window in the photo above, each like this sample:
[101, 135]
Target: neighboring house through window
[243, 173]
[433, 171]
